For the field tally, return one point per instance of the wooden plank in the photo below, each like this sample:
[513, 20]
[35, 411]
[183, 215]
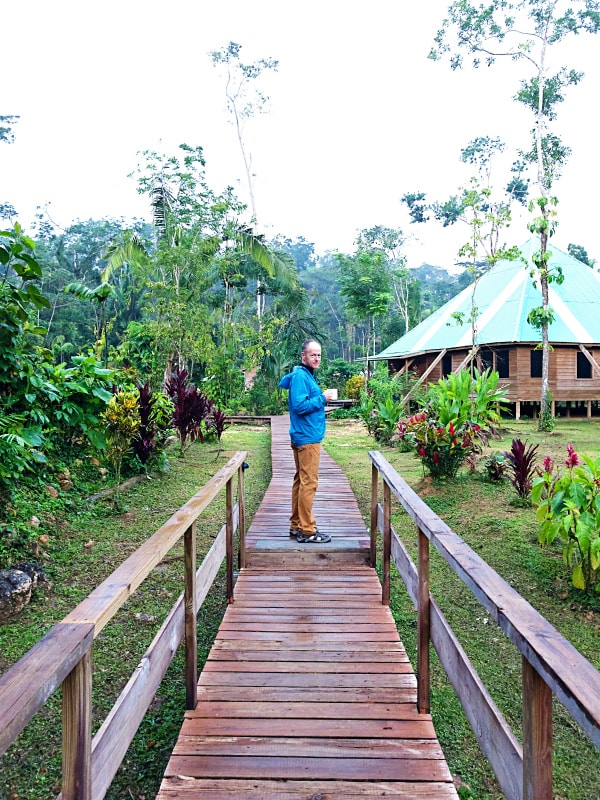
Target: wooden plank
[309, 747]
[374, 696]
[297, 679]
[314, 710]
[417, 728]
[370, 769]
[298, 656]
[386, 669]
[179, 787]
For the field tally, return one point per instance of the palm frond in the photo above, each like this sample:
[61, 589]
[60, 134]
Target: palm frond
[125, 249]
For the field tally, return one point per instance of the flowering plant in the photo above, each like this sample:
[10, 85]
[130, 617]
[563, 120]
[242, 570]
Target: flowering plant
[442, 448]
[568, 508]
[459, 412]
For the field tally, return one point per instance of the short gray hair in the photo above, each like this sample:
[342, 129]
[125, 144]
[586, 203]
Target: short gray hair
[306, 342]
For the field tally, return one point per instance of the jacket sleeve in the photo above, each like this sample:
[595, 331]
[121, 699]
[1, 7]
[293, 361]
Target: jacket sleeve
[305, 395]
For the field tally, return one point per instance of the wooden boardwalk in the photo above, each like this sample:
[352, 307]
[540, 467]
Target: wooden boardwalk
[307, 691]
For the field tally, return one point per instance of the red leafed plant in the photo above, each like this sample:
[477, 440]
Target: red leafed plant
[191, 408]
[521, 471]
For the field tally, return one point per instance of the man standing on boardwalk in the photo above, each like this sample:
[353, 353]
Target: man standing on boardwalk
[306, 403]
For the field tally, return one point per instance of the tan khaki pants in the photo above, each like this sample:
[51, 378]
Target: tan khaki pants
[306, 479]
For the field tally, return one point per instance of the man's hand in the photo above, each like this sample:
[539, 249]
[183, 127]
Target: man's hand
[330, 394]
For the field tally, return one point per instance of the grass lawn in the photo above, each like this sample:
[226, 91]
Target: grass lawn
[505, 536]
[88, 541]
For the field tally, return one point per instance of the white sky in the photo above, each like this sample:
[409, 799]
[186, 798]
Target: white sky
[358, 114]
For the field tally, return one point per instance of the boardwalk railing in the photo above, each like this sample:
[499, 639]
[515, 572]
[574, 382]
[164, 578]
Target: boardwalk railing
[550, 664]
[64, 655]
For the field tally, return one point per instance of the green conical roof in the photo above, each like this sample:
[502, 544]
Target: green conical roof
[504, 296]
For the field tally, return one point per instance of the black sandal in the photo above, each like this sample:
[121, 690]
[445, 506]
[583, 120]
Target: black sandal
[315, 538]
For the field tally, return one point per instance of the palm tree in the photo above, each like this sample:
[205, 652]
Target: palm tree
[99, 295]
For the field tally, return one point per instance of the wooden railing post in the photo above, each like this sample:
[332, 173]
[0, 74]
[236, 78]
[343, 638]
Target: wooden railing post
[191, 641]
[374, 498]
[424, 622]
[242, 517]
[77, 731]
[387, 544]
[537, 735]
[229, 537]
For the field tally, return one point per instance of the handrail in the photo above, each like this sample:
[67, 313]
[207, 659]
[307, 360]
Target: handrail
[63, 655]
[551, 665]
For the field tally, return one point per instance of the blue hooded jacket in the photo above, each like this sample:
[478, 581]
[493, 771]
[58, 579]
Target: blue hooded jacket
[306, 403]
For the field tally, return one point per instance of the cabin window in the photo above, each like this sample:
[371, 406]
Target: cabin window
[536, 364]
[446, 364]
[486, 360]
[584, 368]
[502, 362]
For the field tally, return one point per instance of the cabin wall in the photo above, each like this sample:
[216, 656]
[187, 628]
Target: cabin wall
[565, 386]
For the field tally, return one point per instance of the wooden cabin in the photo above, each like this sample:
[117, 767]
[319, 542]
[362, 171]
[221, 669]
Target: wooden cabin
[503, 339]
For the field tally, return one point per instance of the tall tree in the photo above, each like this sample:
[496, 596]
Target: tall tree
[525, 31]
[198, 241]
[402, 284]
[365, 285]
[486, 213]
[244, 101]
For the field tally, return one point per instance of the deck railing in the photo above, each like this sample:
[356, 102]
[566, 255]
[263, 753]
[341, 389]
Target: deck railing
[550, 664]
[64, 655]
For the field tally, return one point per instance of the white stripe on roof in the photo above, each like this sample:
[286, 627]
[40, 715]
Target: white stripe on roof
[449, 308]
[571, 322]
[494, 307]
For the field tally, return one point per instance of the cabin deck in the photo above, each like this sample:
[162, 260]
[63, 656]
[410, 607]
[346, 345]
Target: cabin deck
[307, 691]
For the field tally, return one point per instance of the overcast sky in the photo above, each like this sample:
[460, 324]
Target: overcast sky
[358, 114]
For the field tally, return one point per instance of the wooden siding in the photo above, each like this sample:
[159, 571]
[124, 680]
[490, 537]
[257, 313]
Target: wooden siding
[564, 384]
[307, 691]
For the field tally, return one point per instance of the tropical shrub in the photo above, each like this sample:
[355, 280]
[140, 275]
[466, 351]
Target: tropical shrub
[122, 422]
[568, 508]
[462, 397]
[495, 467]
[459, 412]
[521, 468]
[191, 408]
[367, 412]
[442, 448]
[387, 416]
[156, 421]
[218, 423]
[353, 386]
[75, 397]
[19, 453]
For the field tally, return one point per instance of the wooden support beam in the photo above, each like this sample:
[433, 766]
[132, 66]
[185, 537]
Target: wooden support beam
[373, 532]
[77, 731]
[537, 735]
[590, 358]
[425, 375]
[469, 357]
[387, 545]
[424, 625]
[191, 646]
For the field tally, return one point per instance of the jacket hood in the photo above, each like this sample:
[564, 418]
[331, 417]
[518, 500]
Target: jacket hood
[284, 383]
